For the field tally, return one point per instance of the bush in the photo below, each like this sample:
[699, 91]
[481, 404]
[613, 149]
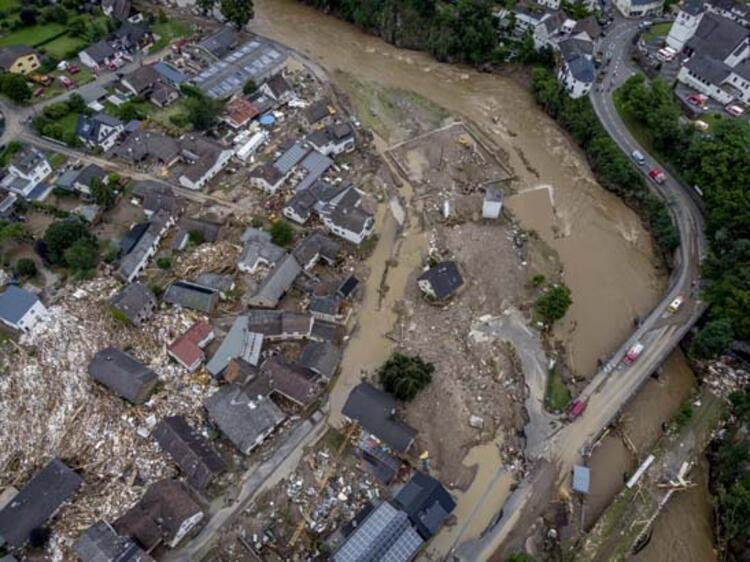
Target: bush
[164, 262]
[404, 376]
[62, 235]
[82, 256]
[713, 340]
[553, 304]
[14, 86]
[282, 233]
[25, 267]
[249, 88]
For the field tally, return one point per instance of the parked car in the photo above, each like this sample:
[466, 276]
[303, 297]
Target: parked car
[638, 157]
[734, 110]
[73, 69]
[39, 92]
[67, 82]
[577, 408]
[697, 99]
[633, 353]
[657, 175]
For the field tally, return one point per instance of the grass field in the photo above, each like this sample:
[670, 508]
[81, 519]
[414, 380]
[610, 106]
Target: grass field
[557, 395]
[168, 31]
[657, 30]
[63, 46]
[32, 35]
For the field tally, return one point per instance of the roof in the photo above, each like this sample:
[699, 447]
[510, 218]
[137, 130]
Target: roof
[278, 85]
[350, 218]
[244, 420]
[291, 157]
[147, 240]
[37, 502]
[581, 476]
[170, 73]
[322, 358]
[120, 9]
[209, 230]
[90, 173]
[15, 303]
[216, 281]
[317, 111]
[254, 60]
[191, 295]
[385, 534]
[315, 164]
[257, 249]
[188, 348]
[10, 54]
[589, 25]
[195, 456]
[159, 514]
[88, 128]
[123, 374]
[493, 194]
[241, 110]
[709, 69]
[294, 383]
[101, 543]
[200, 155]
[444, 278]
[143, 145]
[374, 410]
[278, 281]
[278, 324]
[134, 300]
[717, 37]
[27, 159]
[315, 246]
[427, 503]
[99, 51]
[267, 172]
[163, 93]
[240, 341]
[157, 196]
[142, 78]
[692, 7]
[325, 304]
[743, 69]
[221, 42]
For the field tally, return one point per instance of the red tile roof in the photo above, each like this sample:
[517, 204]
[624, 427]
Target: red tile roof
[187, 348]
[241, 110]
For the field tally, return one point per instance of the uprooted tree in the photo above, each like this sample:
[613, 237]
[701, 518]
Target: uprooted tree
[404, 375]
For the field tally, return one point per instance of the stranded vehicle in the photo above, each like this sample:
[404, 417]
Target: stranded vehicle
[576, 408]
[633, 353]
[676, 304]
[657, 175]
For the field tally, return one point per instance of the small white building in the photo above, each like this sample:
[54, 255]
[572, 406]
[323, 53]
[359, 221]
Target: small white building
[492, 205]
[27, 169]
[21, 309]
[685, 24]
[640, 8]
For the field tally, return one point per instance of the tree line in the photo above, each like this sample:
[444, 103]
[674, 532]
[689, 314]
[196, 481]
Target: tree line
[613, 168]
[718, 163]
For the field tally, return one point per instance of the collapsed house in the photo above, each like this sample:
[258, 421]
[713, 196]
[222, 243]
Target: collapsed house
[135, 302]
[146, 243]
[101, 543]
[124, 375]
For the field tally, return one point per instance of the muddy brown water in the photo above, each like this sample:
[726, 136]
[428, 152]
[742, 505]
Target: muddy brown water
[607, 255]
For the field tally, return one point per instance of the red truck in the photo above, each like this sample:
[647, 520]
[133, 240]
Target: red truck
[657, 175]
[577, 408]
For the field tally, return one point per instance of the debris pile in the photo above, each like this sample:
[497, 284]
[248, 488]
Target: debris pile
[724, 378]
[219, 256]
[49, 406]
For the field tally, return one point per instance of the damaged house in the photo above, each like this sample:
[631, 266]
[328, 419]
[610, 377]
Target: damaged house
[187, 349]
[165, 514]
[193, 296]
[123, 374]
[258, 251]
[135, 302]
[101, 543]
[37, 502]
[136, 259]
[196, 457]
[276, 283]
[246, 421]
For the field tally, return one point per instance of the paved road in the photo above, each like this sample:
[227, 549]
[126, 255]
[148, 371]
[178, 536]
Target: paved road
[660, 332]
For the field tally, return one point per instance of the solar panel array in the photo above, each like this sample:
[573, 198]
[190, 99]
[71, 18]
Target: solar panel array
[385, 534]
[255, 60]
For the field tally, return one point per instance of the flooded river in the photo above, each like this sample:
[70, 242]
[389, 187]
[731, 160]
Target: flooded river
[607, 255]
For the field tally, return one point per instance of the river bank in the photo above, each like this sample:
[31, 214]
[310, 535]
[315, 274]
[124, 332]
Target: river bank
[608, 257]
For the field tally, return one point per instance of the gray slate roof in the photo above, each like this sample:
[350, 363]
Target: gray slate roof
[316, 245]
[375, 410]
[240, 341]
[444, 278]
[243, 419]
[716, 37]
[709, 69]
[322, 358]
[101, 543]
[123, 374]
[278, 281]
[99, 51]
[37, 502]
[191, 295]
[427, 503]
[15, 303]
[148, 239]
[195, 456]
[135, 300]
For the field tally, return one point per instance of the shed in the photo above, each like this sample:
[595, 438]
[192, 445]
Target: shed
[581, 479]
[493, 202]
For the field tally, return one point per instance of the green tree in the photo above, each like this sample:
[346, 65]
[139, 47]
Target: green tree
[14, 86]
[713, 340]
[282, 233]
[61, 235]
[202, 113]
[206, 6]
[129, 111]
[520, 557]
[404, 376]
[553, 304]
[77, 28]
[76, 103]
[104, 194]
[249, 88]
[12, 232]
[25, 267]
[238, 12]
[82, 256]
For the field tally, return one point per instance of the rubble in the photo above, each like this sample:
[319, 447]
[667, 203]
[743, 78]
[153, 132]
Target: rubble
[724, 378]
[50, 406]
